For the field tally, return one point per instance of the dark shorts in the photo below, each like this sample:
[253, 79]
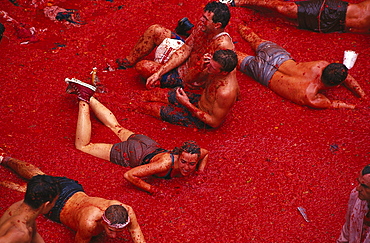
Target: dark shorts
[324, 16]
[171, 79]
[269, 57]
[132, 152]
[178, 114]
[68, 188]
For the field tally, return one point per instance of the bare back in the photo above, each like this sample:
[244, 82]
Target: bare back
[82, 213]
[14, 227]
[358, 17]
[299, 82]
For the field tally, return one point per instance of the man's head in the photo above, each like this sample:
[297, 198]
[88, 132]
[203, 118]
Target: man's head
[363, 186]
[221, 12]
[227, 60]
[188, 157]
[334, 74]
[41, 189]
[115, 219]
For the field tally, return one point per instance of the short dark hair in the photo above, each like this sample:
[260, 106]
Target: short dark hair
[227, 59]
[189, 146]
[334, 74]
[41, 189]
[116, 214]
[221, 12]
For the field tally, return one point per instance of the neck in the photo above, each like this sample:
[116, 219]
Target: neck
[28, 213]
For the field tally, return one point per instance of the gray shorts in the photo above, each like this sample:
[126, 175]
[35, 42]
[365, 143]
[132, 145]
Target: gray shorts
[131, 153]
[269, 57]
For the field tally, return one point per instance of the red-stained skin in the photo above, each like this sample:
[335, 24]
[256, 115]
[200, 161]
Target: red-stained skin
[269, 157]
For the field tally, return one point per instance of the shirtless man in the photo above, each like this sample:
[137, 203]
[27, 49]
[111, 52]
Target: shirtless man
[323, 16]
[18, 224]
[207, 110]
[206, 37]
[88, 216]
[299, 82]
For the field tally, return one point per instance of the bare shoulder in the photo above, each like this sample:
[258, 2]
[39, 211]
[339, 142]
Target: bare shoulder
[224, 42]
[14, 231]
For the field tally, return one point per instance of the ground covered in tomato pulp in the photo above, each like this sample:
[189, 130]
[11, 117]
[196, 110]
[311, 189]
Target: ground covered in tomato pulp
[269, 157]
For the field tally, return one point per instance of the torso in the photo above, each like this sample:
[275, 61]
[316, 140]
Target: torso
[223, 89]
[358, 17]
[298, 82]
[84, 211]
[13, 221]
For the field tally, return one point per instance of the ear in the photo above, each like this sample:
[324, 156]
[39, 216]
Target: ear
[218, 25]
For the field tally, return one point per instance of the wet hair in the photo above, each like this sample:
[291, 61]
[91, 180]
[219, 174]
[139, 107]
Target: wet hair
[116, 214]
[334, 74]
[366, 170]
[221, 12]
[227, 59]
[41, 189]
[190, 147]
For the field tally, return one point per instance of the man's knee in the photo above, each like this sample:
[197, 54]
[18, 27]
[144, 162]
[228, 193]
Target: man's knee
[158, 33]
[146, 68]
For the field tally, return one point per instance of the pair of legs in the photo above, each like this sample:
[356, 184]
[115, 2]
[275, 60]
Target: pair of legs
[288, 9]
[253, 39]
[23, 169]
[83, 131]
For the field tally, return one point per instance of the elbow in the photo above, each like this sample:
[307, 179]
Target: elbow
[127, 176]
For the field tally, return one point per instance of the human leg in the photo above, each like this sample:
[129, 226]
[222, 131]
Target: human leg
[108, 119]
[248, 35]
[288, 9]
[83, 135]
[23, 169]
[151, 38]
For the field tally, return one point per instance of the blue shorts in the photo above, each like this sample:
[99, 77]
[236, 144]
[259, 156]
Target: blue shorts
[68, 188]
[171, 79]
[178, 114]
[267, 61]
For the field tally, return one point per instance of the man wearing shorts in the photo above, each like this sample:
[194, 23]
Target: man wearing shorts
[324, 16]
[206, 37]
[206, 110]
[88, 216]
[299, 82]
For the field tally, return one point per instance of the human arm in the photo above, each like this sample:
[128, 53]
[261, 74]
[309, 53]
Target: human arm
[159, 166]
[220, 108]
[37, 238]
[322, 102]
[82, 237]
[197, 75]
[177, 58]
[134, 227]
[202, 160]
[351, 84]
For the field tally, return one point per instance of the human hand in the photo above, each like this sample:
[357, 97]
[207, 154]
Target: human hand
[205, 60]
[181, 96]
[153, 81]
